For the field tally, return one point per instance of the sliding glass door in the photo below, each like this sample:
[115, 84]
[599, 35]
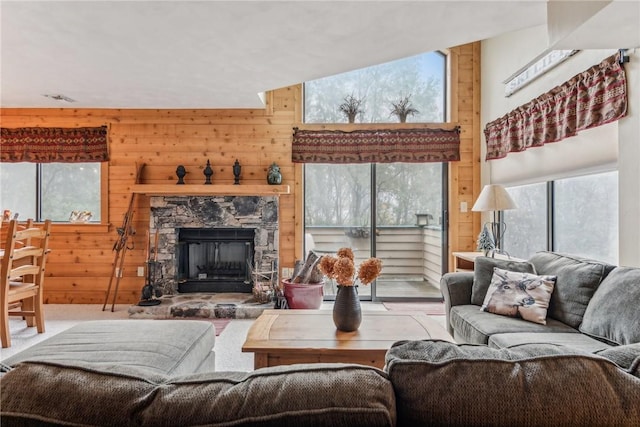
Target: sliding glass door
[391, 211]
[408, 238]
[338, 212]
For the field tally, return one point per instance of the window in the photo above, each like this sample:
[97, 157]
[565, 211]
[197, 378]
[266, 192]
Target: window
[51, 190]
[577, 215]
[526, 231]
[372, 207]
[341, 194]
[586, 216]
[420, 77]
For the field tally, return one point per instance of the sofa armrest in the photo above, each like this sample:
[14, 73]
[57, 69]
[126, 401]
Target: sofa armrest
[456, 290]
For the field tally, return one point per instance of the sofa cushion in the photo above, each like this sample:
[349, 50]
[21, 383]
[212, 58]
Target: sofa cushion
[625, 356]
[577, 341]
[294, 395]
[172, 347]
[483, 273]
[474, 326]
[613, 314]
[440, 383]
[519, 295]
[578, 278]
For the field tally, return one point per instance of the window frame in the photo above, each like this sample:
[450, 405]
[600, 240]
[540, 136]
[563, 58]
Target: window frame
[447, 96]
[446, 101]
[104, 201]
[551, 208]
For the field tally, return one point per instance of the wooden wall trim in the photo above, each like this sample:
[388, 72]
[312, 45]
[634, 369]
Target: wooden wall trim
[464, 176]
[298, 186]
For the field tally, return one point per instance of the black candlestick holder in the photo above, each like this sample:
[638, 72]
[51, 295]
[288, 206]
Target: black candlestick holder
[180, 172]
[207, 173]
[236, 172]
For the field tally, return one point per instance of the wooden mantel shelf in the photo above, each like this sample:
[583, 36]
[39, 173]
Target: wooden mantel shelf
[209, 190]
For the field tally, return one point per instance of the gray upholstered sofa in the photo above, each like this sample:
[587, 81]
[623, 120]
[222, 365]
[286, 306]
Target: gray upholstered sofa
[594, 306]
[135, 378]
[161, 373]
[445, 384]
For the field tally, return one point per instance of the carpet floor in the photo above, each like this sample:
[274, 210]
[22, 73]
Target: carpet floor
[429, 308]
[219, 324]
[59, 317]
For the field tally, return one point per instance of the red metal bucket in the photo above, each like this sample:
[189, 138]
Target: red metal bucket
[303, 295]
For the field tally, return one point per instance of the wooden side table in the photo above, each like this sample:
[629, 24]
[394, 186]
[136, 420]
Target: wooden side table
[464, 261]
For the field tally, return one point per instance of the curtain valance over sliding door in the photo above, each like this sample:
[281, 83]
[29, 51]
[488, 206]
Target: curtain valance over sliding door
[591, 98]
[48, 145]
[419, 145]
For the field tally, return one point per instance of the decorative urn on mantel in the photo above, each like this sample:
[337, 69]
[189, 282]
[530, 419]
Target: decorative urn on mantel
[237, 170]
[181, 171]
[209, 190]
[274, 177]
[208, 172]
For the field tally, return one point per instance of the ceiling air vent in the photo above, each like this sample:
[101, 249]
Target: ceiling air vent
[60, 97]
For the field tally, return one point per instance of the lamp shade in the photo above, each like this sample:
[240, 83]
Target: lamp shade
[493, 198]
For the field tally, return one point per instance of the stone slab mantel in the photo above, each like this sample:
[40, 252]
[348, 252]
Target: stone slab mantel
[210, 190]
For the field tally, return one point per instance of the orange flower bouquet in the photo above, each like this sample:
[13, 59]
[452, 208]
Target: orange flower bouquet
[341, 268]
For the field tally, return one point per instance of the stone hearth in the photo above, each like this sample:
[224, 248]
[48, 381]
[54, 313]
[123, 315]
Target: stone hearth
[205, 305]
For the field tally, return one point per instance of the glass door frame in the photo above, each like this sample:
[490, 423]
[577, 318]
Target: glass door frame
[444, 233]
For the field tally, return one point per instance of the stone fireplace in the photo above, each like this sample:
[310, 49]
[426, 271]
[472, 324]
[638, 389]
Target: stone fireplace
[214, 243]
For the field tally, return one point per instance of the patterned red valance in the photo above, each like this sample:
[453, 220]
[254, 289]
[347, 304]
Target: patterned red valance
[591, 98]
[48, 145]
[376, 146]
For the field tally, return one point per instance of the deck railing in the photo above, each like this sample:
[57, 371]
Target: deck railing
[408, 252]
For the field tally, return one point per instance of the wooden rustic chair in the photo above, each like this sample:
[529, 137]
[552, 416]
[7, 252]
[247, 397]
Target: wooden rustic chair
[19, 244]
[21, 226]
[22, 276]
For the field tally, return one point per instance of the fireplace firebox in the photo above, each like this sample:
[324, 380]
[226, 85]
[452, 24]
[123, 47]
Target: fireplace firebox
[215, 259]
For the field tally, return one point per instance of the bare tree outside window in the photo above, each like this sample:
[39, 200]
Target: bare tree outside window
[420, 76]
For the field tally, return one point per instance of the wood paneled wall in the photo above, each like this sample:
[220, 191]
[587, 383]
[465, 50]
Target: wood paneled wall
[80, 263]
[464, 176]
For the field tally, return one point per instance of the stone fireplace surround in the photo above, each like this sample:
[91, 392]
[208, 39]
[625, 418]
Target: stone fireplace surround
[170, 213]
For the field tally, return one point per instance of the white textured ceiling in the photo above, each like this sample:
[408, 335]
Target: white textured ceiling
[224, 54]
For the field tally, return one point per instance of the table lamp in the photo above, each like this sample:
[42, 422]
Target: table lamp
[495, 198]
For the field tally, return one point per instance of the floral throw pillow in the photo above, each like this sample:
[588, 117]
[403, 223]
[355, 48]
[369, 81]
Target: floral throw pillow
[522, 295]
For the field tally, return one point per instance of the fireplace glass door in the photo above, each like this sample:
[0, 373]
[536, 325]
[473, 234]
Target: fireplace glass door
[215, 260]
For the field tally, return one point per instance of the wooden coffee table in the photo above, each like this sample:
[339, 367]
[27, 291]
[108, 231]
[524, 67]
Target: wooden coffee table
[284, 337]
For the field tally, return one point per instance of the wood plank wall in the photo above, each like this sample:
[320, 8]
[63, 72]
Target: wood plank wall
[464, 176]
[80, 263]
